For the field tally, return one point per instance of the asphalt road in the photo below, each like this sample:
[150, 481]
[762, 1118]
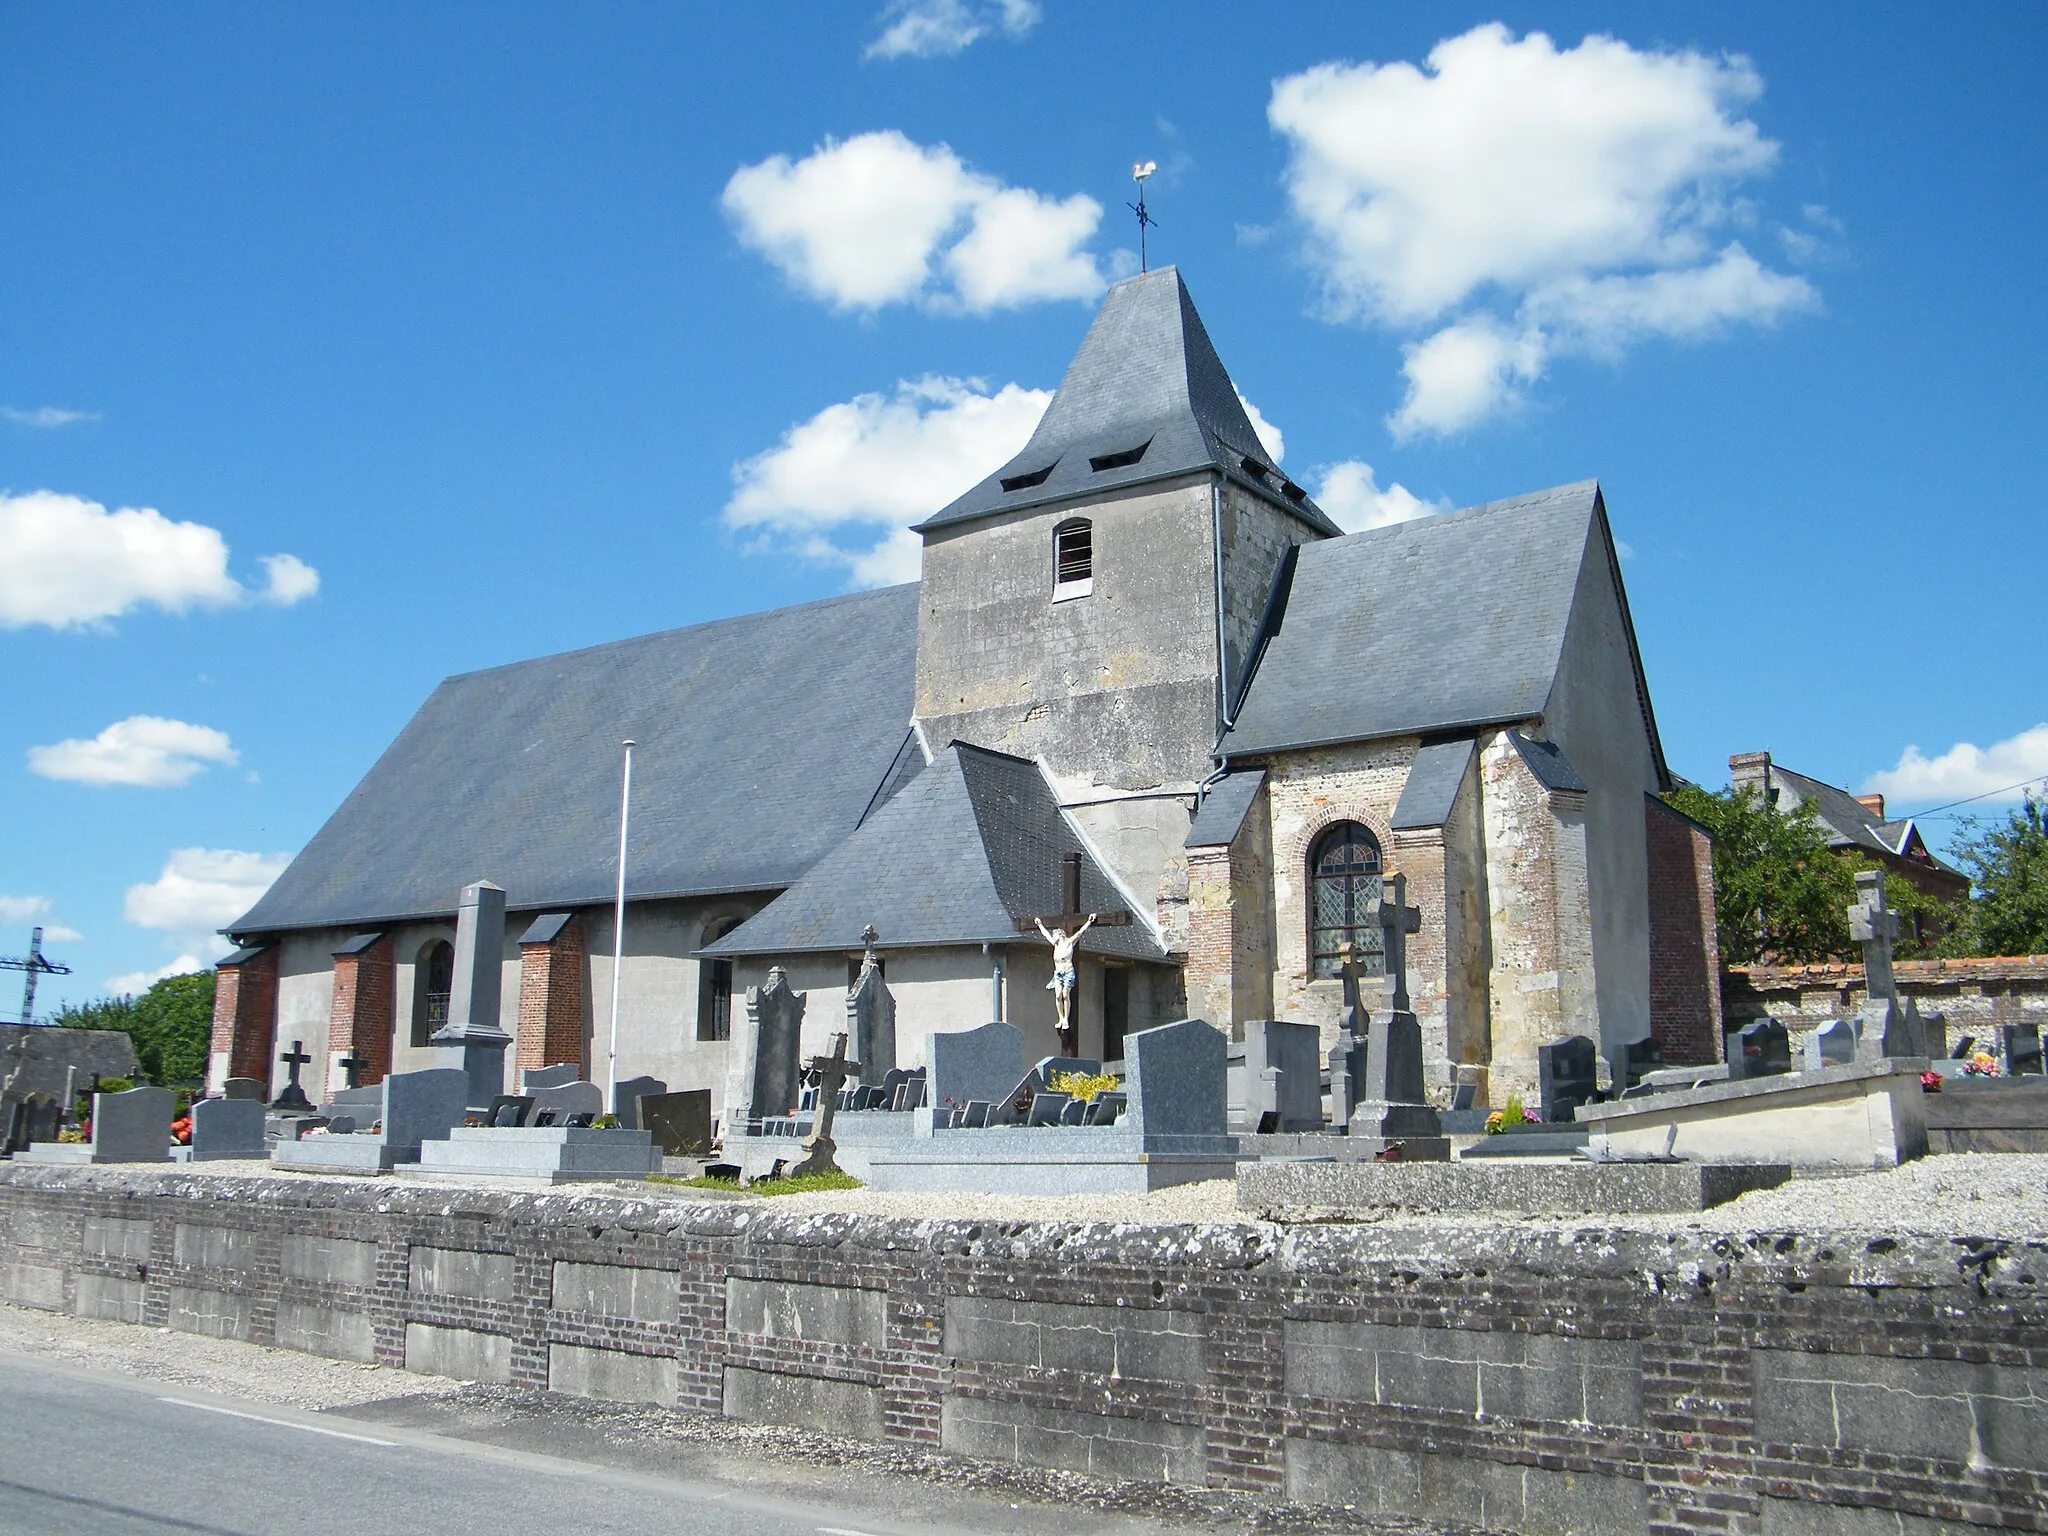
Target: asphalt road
[92, 1452]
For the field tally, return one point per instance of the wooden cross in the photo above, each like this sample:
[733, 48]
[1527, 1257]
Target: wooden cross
[1397, 920]
[830, 1074]
[353, 1064]
[294, 1097]
[1072, 916]
[1874, 925]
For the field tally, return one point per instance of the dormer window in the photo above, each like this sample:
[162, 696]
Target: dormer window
[1025, 481]
[1123, 460]
[1073, 559]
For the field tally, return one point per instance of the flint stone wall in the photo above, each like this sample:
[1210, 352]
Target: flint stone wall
[1545, 1378]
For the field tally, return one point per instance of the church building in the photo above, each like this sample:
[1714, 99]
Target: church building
[1143, 675]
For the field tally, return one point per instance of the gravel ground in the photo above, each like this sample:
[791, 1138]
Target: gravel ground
[1989, 1194]
[217, 1365]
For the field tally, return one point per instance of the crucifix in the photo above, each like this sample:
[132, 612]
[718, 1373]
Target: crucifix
[1874, 925]
[293, 1097]
[1063, 930]
[1397, 920]
[352, 1065]
[830, 1074]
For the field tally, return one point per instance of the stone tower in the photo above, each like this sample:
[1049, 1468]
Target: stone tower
[1094, 604]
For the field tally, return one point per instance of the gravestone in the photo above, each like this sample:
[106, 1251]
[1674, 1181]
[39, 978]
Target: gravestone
[422, 1106]
[871, 1016]
[227, 1128]
[42, 1118]
[1762, 1048]
[829, 1073]
[1890, 1031]
[680, 1122]
[1833, 1044]
[1347, 1055]
[1567, 1075]
[626, 1097]
[1176, 1081]
[472, 1041]
[2022, 1044]
[133, 1127]
[243, 1088]
[293, 1096]
[1394, 1109]
[569, 1099]
[353, 1065]
[559, 1076]
[1638, 1057]
[775, 1022]
[1283, 1075]
[973, 1066]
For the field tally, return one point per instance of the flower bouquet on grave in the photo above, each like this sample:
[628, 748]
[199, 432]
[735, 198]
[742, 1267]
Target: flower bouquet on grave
[1930, 1082]
[181, 1130]
[1513, 1114]
[1983, 1064]
[1084, 1085]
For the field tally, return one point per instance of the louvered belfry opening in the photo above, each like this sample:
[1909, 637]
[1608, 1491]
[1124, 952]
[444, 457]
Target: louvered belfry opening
[1073, 554]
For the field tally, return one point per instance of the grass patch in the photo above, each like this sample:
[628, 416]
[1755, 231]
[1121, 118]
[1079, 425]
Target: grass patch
[809, 1184]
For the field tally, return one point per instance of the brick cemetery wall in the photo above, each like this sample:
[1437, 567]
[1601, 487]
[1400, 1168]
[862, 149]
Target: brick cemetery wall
[1975, 995]
[1546, 1379]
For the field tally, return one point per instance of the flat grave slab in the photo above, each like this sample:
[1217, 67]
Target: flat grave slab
[1324, 1190]
[543, 1154]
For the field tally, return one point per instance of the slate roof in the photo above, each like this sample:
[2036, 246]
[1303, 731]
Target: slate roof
[960, 855]
[1224, 809]
[1852, 824]
[763, 740]
[1547, 761]
[1433, 781]
[1441, 624]
[1146, 376]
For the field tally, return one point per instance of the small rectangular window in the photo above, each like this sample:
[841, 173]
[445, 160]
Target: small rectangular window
[1073, 560]
[1119, 460]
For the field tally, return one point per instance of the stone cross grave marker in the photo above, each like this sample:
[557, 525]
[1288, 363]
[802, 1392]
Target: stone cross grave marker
[775, 1020]
[294, 1096]
[472, 1039]
[1889, 1031]
[1347, 1056]
[353, 1065]
[830, 1073]
[871, 1013]
[1396, 921]
[1063, 930]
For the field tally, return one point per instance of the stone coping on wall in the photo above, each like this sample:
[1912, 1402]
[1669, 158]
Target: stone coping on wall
[1839, 973]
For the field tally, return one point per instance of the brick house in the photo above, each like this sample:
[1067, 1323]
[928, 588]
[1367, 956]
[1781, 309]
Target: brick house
[1138, 646]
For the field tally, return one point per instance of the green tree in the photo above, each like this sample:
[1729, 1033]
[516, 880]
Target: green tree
[171, 1025]
[2007, 863]
[1780, 893]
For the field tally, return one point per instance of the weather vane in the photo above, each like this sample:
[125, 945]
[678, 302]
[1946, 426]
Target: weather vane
[1140, 174]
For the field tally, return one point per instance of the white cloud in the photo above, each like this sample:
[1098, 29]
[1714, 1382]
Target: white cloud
[1966, 771]
[200, 891]
[45, 416]
[23, 909]
[1269, 435]
[877, 219]
[286, 580]
[1530, 202]
[66, 562]
[62, 933]
[930, 29]
[146, 751]
[1351, 493]
[879, 462]
[135, 982]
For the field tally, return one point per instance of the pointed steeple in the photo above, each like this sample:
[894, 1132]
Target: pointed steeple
[1146, 398]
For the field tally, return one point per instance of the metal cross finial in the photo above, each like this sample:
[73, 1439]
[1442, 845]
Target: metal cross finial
[1141, 173]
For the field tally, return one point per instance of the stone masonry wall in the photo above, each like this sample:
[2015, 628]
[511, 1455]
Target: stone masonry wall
[1975, 995]
[1593, 1379]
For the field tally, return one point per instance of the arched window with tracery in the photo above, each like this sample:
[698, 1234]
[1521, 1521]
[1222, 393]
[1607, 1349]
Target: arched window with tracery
[1344, 882]
[433, 980]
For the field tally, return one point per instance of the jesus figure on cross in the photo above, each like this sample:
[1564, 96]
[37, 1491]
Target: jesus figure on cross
[1063, 977]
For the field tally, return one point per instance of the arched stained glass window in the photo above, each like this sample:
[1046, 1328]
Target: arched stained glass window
[433, 980]
[1344, 882]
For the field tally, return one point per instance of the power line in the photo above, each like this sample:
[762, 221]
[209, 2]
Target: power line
[1989, 794]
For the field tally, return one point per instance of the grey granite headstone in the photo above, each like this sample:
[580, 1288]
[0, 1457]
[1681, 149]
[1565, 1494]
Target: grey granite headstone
[551, 1077]
[472, 1041]
[227, 1128]
[1833, 1044]
[974, 1065]
[133, 1127]
[1760, 1049]
[2022, 1043]
[1283, 1075]
[626, 1097]
[775, 1022]
[680, 1122]
[1176, 1080]
[42, 1119]
[569, 1099]
[1567, 1075]
[243, 1088]
[422, 1106]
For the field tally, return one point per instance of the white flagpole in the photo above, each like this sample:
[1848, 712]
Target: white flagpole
[611, 1065]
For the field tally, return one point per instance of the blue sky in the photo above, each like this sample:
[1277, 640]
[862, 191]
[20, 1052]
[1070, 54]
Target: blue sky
[342, 349]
